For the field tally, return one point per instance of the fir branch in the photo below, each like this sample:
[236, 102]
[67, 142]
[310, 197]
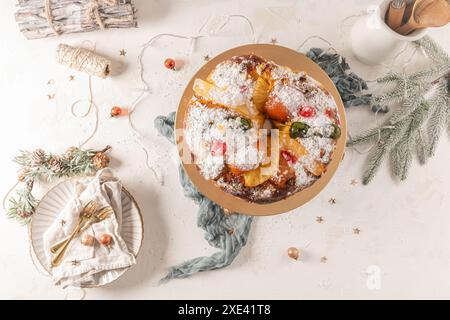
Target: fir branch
[401, 159]
[417, 124]
[421, 146]
[40, 165]
[436, 123]
[376, 157]
[432, 49]
[390, 77]
[369, 135]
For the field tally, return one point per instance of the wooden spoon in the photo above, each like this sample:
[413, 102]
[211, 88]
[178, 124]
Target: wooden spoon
[426, 13]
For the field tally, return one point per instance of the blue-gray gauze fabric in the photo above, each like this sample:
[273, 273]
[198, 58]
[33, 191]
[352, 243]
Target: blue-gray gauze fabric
[349, 84]
[226, 232]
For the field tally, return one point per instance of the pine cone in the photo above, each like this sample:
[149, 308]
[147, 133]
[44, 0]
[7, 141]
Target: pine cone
[38, 157]
[24, 214]
[56, 165]
[100, 160]
[68, 155]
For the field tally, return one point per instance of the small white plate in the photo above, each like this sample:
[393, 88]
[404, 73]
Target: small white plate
[53, 203]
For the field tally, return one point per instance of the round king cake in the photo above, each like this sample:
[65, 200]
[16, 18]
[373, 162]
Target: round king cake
[261, 131]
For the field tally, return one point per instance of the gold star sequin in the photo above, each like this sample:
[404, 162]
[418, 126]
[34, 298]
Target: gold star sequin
[51, 96]
[332, 201]
[356, 230]
[71, 77]
[206, 58]
[323, 259]
[354, 182]
[63, 222]
[75, 262]
[123, 52]
[273, 41]
[319, 219]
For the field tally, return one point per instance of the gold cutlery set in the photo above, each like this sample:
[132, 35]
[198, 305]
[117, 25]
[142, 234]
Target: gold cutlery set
[92, 213]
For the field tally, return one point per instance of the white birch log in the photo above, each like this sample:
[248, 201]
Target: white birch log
[71, 16]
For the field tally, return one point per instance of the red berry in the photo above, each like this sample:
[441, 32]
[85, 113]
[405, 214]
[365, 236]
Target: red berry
[169, 63]
[218, 148]
[116, 111]
[289, 157]
[307, 111]
[105, 239]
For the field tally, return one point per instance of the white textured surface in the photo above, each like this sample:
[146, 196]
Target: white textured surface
[404, 225]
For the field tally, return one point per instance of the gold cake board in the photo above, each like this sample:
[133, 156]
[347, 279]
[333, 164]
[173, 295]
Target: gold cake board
[283, 57]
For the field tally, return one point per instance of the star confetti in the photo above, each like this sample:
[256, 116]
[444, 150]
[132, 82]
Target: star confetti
[206, 58]
[273, 41]
[71, 77]
[51, 96]
[354, 182]
[123, 52]
[75, 262]
[323, 259]
[319, 219]
[63, 222]
[332, 201]
[356, 230]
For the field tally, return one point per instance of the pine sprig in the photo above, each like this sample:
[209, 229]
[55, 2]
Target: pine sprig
[416, 125]
[39, 165]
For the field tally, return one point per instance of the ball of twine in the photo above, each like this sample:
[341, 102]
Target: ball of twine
[83, 60]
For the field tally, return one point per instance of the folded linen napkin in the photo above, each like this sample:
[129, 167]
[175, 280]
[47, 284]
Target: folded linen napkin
[85, 265]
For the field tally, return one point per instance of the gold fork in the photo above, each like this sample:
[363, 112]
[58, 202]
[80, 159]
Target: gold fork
[85, 214]
[87, 218]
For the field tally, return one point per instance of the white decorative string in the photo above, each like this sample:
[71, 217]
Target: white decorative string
[5, 198]
[145, 90]
[242, 17]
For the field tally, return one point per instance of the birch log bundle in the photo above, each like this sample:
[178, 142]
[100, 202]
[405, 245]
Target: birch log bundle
[47, 18]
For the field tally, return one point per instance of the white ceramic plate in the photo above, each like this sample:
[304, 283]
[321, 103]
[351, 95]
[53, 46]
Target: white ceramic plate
[52, 204]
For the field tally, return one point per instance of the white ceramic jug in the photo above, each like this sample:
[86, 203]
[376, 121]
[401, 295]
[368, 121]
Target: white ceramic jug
[373, 41]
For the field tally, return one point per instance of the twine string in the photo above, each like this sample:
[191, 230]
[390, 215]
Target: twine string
[90, 100]
[84, 60]
[92, 13]
[49, 17]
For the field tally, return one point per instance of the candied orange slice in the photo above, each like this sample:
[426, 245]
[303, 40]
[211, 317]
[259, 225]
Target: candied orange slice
[292, 145]
[202, 88]
[254, 178]
[317, 168]
[276, 110]
[260, 93]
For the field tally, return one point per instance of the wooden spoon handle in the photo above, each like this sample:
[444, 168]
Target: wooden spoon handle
[395, 16]
[406, 28]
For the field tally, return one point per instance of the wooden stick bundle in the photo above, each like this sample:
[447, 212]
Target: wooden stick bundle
[46, 18]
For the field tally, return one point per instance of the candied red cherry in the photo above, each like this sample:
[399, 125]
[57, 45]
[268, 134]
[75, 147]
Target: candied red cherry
[218, 148]
[330, 113]
[289, 157]
[243, 89]
[307, 111]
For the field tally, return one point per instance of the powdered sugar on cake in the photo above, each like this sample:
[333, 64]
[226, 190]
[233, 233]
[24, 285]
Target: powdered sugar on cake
[222, 129]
